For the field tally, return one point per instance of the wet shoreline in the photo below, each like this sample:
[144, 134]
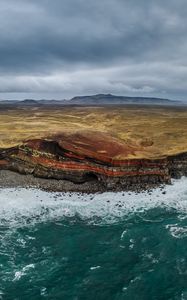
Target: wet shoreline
[10, 179]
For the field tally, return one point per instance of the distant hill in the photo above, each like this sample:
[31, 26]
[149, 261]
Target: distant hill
[28, 102]
[108, 99]
[95, 100]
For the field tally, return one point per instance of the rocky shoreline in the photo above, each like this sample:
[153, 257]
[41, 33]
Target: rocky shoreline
[10, 179]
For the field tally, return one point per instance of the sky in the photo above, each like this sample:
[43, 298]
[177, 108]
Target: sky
[62, 48]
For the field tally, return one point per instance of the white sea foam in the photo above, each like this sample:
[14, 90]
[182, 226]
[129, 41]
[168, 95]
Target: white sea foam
[95, 268]
[19, 274]
[177, 231]
[23, 206]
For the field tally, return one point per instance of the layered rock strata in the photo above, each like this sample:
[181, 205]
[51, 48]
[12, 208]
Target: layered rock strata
[86, 159]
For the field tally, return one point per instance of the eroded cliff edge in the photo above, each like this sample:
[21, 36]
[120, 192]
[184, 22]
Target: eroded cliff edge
[91, 162]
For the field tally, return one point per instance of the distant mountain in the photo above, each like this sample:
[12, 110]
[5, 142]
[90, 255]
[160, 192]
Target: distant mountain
[108, 99]
[94, 100]
[28, 102]
[31, 102]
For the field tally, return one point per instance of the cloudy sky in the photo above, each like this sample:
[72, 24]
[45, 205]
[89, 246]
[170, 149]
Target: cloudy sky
[61, 48]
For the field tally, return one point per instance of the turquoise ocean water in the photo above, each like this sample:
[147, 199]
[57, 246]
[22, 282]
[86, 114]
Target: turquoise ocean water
[110, 246]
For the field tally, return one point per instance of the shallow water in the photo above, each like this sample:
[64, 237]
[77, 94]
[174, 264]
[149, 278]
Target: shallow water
[109, 246]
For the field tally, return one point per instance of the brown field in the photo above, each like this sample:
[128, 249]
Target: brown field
[152, 131]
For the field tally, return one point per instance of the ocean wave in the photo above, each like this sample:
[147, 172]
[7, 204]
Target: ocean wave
[177, 231]
[23, 272]
[29, 206]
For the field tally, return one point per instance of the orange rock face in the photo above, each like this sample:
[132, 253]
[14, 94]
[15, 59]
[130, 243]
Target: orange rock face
[95, 145]
[78, 156]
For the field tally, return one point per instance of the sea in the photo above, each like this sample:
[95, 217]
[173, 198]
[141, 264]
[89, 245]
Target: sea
[110, 246]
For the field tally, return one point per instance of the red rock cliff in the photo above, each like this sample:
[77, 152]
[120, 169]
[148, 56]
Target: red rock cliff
[81, 157]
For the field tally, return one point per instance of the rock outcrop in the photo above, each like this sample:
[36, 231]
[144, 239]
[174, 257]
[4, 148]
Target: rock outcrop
[87, 157]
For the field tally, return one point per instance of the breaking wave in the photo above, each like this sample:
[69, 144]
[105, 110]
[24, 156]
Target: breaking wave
[30, 206]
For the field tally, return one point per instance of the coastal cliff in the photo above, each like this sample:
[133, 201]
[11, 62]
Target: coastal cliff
[87, 158]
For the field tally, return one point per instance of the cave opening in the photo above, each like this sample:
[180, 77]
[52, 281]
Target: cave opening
[91, 177]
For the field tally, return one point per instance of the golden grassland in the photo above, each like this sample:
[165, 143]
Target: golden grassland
[159, 130]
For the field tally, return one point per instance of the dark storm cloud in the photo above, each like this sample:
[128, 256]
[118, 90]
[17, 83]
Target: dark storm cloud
[84, 46]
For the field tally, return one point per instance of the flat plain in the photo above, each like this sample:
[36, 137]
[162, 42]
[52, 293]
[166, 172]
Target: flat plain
[154, 131]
